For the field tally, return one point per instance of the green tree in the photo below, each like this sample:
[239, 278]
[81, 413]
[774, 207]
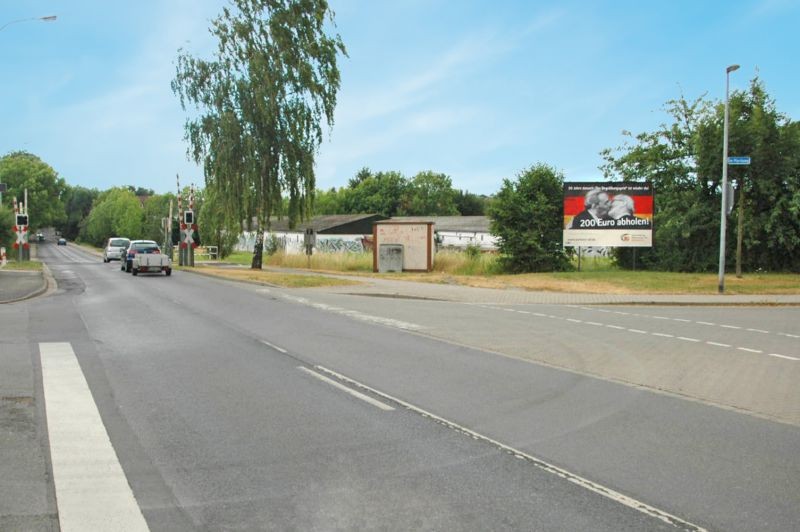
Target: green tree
[21, 170]
[116, 212]
[683, 160]
[469, 204]
[381, 193]
[526, 216]
[218, 228]
[7, 237]
[77, 204]
[261, 102]
[430, 194]
[766, 189]
[156, 209]
[328, 201]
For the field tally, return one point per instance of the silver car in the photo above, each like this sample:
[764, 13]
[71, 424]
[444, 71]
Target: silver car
[115, 248]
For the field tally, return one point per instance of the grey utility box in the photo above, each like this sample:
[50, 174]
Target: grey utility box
[390, 258]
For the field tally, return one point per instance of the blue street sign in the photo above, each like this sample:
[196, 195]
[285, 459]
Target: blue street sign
[741, 161]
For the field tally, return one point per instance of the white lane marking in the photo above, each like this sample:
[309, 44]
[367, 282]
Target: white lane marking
[596, 324]
[783, 356]
[638, 331]
[607, 492]
[573, 320]
[523, 312]
[508, 309]
[687, 339]
[718, 344]
[275, 347]
[389, 322]
[622, 313]
[762, 331]
[681, 320]
[354, 393]
[660, 318]
[730, 326]
[92, 491]
[664, 335]
[616, 327]
[704, 323]
[539, 314]
[749, 350]
[789, 335]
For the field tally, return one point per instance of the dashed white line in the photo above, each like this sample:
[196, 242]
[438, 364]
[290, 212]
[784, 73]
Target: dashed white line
[615, 327]
[704, 323]
[573, 320]
[681, 320]
[622, 313]
[783, 356]
[605, 491]
[762, 331]
[275, 347]
[687, 339]
[354, 393]
[730, 326]
[749, 350]
[638, 331]
[660, 318]
[596, 324]
[718, 344]
[663, 335]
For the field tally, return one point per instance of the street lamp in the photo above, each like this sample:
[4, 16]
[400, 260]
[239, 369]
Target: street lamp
[724, 207]
[49, 18]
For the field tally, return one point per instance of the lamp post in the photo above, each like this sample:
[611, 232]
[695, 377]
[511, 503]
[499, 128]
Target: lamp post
[724, 207]
[49, 18]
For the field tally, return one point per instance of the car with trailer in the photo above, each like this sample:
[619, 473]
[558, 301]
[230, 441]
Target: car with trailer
[144, 256]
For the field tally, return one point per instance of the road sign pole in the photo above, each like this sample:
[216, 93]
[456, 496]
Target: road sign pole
[723, 214]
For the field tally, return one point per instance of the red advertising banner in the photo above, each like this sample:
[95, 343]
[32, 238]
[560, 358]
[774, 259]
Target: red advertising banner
[608, 214]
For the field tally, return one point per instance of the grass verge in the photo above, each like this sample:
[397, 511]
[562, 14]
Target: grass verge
[286, 280]
[28, 265]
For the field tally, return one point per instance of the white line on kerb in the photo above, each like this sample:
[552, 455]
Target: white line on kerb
[359, 395]
[783, 356]
[537, 462]
[275, 347]
[92, 491]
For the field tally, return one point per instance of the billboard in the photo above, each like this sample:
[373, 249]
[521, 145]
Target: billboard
[608, 214]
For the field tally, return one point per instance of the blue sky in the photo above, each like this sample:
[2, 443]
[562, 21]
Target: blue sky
[477, 90]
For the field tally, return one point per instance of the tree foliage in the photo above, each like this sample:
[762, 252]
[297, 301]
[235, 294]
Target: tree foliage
[683, 160]
[77, 204]
[526, 216]
[21, 170]
[116, 212]
[262, 98]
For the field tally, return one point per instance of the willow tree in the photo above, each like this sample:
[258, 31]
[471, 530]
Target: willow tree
[260, 105]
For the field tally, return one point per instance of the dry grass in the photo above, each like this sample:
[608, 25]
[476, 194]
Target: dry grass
[274, 279]
[28, 265]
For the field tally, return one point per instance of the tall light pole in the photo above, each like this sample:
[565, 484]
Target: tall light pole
[48, 18]
[724, 208]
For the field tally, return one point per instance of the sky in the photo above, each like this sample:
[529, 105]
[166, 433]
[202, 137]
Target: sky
[475, 89]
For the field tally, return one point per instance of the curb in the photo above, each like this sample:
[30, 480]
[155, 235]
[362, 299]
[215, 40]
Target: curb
[39, 291]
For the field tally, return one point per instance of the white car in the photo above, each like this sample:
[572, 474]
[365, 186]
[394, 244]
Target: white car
[115, 248]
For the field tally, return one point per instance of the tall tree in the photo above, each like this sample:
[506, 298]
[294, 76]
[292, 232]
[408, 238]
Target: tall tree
[261, 101]
[21, 170]
[77, 204]
[526, 218]
[381, 193]
[431, 194]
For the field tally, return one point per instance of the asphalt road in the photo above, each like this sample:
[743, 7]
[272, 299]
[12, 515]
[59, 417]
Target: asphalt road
[232, 406]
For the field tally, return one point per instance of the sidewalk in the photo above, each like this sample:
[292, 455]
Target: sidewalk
[20, 285]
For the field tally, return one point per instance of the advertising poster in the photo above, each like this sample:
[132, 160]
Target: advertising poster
[608, 214]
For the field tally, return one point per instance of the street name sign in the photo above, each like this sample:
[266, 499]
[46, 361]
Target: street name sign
[740, 161]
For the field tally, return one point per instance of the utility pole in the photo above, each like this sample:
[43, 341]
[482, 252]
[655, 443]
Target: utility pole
[723, 208]
[740, 228]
